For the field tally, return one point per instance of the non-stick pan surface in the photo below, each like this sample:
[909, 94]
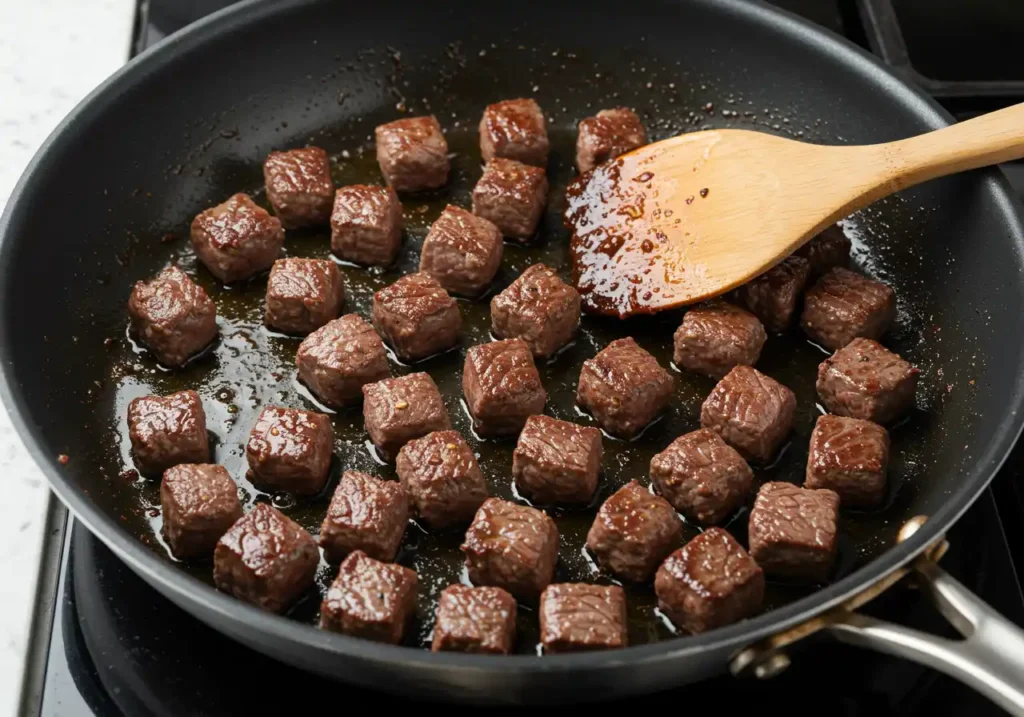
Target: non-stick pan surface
[108, 200]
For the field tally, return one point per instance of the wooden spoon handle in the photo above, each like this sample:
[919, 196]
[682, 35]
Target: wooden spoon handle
[989, 139]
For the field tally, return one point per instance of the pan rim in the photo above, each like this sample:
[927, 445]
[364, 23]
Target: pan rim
[156, 570]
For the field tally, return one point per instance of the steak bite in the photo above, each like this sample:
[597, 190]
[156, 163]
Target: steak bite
[511, 195]
[199, 502]
[417, 317]
[792, 531]
[237, 239]
[167, 430]
[577, 617]
[266, 559]
[366, 224]
[752, 412]
[773, 296]
[538, 308]
[462, 251]
[624, 388]
[607, 135]
[172, 316]
[715, 338]
[370, 599]
[303, 295]
[829, 249]
[633, 532]
[478, 620]
[710, 582]
[366, 513]
[702, 476]
[851, 457]
[844, 305]
[866, 380]
[557, 461]
[514, 129]
[290, 450]
[412, 153]
[511, 546]
[299, 186]
[440, 473]
[341, 357]
[502, 387]
[397, 410]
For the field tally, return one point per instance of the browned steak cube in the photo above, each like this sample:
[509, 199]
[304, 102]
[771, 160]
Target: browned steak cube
[828, 249]
[557, 461]
[710, 582]
[538, 308]
[413, 154]
[511, 195]
[478, 620]
[752, 412]
[607, 135]
[237, 239]
[624, 388]
[366, 513]
[515, 129]
[341, 357]
[266, 559]
[299, 186]
[172, 316]
[417, 317]
[370, 599]
[502, 387]
[866, 380]
[290, 450]
[462, 251]
[577, 617]
[844, 305]
[366, 225]
[512, 547]
[633, 532]
[199, 502]
[397, 410]
[792, 531]
[774, 295]
[717, 337]
[851, 457]
[440, 473]
[702, 476]
[167, 430]
[303, 295]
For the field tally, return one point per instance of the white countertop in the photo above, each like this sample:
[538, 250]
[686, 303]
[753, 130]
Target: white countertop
[52, 53]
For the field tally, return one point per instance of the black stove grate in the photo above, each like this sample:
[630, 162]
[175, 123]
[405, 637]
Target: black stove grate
[956, 51]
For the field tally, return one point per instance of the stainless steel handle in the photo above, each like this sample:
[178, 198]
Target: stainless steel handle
[989, 659]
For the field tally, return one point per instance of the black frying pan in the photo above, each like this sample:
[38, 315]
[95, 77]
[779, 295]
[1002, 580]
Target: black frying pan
[190, 122]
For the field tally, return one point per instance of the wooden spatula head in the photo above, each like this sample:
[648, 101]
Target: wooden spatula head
[692, 217]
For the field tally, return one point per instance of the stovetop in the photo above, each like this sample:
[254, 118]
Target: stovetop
[107, 645]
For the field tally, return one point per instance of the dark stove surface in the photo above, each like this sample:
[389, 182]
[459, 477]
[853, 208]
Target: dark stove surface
[111, 646]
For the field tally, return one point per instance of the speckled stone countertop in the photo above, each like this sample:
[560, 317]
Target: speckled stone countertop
[52, 53]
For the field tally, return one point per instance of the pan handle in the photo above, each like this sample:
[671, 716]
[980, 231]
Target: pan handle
[990, 658]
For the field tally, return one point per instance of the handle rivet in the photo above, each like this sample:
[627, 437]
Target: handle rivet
[775, 665]
[910, 527]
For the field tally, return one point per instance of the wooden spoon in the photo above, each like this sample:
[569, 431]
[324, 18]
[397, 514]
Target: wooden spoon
[694, 216]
